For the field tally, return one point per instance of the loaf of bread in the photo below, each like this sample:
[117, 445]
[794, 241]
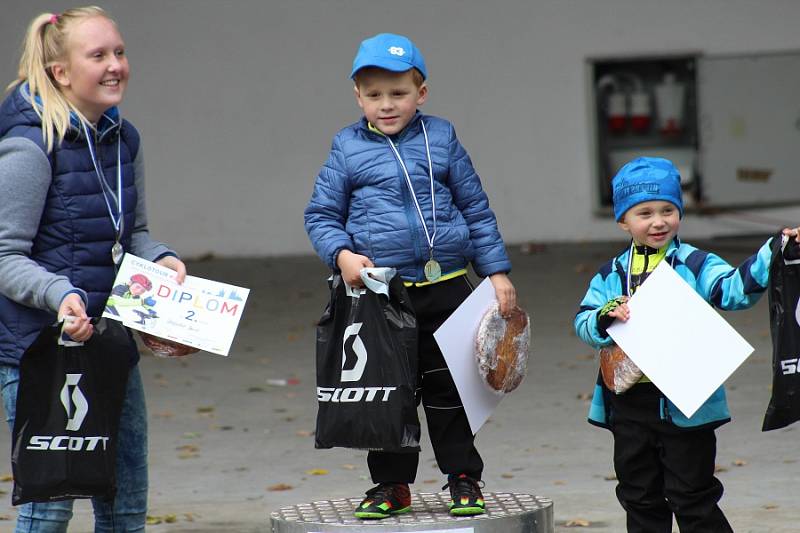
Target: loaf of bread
[165, 347]
[618, 371]
[502, 348]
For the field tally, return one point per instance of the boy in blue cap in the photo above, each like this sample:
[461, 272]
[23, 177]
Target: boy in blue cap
[399, 190]
[664, 461]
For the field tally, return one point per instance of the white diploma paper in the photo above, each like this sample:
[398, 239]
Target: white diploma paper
[456, 339]
[201, 313]
[678, 340]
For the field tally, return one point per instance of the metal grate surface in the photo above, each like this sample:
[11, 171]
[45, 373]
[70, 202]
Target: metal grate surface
[429, 510]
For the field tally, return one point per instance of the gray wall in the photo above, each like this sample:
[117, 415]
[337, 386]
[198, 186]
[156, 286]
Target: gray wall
[237, 101]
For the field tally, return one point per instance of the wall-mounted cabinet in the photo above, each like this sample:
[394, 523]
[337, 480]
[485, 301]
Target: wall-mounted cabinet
[731, 124]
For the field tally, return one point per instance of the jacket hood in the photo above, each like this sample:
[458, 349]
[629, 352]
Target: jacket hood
[17, 110]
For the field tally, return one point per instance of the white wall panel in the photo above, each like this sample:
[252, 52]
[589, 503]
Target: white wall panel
[237, 101]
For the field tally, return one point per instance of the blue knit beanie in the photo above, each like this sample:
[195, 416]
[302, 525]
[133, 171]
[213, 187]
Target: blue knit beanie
[645, 179]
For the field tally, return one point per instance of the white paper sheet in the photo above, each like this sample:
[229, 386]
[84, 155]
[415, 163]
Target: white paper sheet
[678, 340]
[456, 339]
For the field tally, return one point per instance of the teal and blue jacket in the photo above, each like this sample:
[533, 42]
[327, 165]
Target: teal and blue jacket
[717, 282]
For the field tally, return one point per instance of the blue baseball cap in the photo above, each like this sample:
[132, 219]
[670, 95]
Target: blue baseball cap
[645, 179]
[391, 52]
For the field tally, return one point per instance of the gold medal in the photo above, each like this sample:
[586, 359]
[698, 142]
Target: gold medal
[432, 270]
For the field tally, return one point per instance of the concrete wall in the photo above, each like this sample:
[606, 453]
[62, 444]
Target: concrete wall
[237, 100]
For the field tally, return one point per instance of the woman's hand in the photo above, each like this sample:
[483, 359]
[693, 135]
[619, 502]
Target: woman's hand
[77, 326]
[351, 264]
[505, 293]
[173, 263]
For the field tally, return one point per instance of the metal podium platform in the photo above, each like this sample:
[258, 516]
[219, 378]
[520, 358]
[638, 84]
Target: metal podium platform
[505, 513]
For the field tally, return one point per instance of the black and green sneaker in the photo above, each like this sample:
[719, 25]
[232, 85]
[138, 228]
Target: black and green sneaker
[465, 495]
[384, 500]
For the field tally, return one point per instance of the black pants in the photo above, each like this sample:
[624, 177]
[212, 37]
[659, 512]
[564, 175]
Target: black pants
[662, 469]
[450, 434]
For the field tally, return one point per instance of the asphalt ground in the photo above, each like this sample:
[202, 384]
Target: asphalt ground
[231, 438]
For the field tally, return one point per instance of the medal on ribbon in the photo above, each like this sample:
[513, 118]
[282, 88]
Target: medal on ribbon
[117, 220]
[432, 269]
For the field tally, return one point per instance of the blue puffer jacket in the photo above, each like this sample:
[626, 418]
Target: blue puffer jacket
[361, 202]
[721, 285]
[75, 233]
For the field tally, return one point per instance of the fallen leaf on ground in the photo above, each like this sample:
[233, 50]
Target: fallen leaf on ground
[188, 451]
[770, 507]
[719, 468]
[739, 462]
[577, 522]
[303, 433]
[507, 476]
[5, 517]
[279, 486]
[610, 477]
[153, 520]
[349, 467]
[317, 472]
[585, 396]
[6, 478]
[559, 482]
[205, 409]
[163, 414]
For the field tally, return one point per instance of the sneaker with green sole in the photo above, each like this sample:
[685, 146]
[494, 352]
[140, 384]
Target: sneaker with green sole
[384, 500]
[466, 497]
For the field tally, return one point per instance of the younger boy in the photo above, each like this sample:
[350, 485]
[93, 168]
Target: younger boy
[399, 190]
[664, 461]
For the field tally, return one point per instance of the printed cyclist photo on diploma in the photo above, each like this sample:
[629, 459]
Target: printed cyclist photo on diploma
[200, 313]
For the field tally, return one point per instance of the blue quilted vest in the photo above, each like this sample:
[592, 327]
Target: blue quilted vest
[75, 232]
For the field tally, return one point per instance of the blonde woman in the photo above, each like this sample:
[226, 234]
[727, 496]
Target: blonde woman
[72, 187]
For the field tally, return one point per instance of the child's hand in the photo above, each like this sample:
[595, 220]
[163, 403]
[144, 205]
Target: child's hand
[505, 293]
[622, 312]
[351, 264]
[793, 232]
[615, 309]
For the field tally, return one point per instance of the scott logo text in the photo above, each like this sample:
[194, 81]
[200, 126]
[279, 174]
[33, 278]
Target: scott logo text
[354, 394]
[63, 443]
[789, 366]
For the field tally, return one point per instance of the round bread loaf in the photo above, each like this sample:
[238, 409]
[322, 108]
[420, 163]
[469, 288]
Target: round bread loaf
[502, 348]
[618, 371]
[165, 347]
